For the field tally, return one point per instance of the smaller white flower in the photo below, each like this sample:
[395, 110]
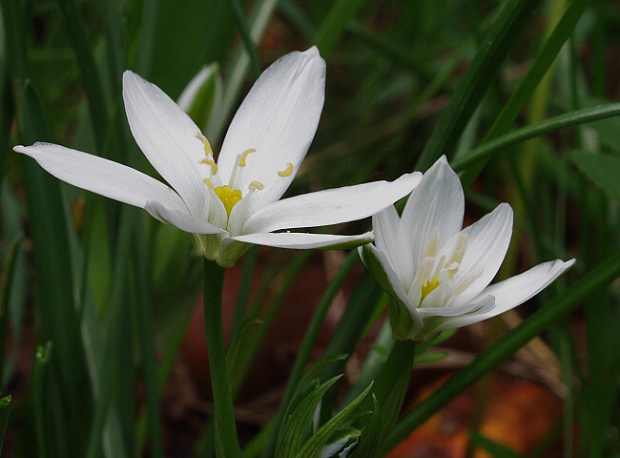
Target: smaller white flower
[436, 273]
[233, 201]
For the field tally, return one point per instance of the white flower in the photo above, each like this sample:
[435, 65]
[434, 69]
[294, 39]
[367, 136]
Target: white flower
[234, 201]
[436, 274]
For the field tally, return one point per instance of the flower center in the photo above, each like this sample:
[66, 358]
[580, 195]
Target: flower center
[230, 194]
[429, 279]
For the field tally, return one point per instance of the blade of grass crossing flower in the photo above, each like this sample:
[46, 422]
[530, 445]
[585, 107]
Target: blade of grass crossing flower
[334, 25]
[522, 94]
[511, 20]
[575, 118]
[562, 304]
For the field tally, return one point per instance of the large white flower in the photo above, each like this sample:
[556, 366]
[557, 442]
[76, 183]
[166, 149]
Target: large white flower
[436, 274]
[235, 201]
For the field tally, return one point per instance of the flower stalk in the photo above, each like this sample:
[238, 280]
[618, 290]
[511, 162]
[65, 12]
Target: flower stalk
[226, 439]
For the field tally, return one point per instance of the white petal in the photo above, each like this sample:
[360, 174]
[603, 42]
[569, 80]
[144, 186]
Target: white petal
[167, 137]
[518, 289]
[394, 243]
[488, 240]
[472, 313]
[331, 206]
[278, 118]
[483, 305]
[437, 202]
[102, 176]
[182, 220]
[297, 240]
[188, 95]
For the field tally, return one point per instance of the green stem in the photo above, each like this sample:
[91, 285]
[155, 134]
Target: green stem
[225, 428]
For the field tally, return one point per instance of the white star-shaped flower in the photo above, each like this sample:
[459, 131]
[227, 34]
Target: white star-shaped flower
[234, 201]
[436, 273]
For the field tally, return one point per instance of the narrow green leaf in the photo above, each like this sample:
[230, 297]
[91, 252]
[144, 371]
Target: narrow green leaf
[522, 94]
[499, 144]
[298, 425]
[40, 370]
[512, 19]
[98, 108]
[602, 169]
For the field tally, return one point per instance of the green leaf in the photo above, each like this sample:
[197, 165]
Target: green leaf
[320, 438]
[297, 427]
[522, 94]
[334, 25]
[511, 20]
[602, 169]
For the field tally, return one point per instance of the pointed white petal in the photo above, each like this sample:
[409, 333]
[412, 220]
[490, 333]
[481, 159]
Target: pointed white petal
[487, 242]
[297, 240]
[102, 176]
[394, 243]
[278, 118]
[518, 289]
[476, 311]
[478, 306]
[167, 137]
[182, 220]
[331, 206]
[436, 203]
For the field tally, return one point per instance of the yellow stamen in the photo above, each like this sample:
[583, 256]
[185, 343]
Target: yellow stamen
[244, 155]
[287, 171]
[208, 182]
[208, 149]
[255, 185]
[228, 196]
[209, 161]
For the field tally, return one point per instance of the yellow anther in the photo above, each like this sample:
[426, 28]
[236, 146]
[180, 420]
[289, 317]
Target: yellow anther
[210, 162]
[244, 155]
[208, 149]
[255, 185]
[208, 182]
[228, 196]
[287, 171]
